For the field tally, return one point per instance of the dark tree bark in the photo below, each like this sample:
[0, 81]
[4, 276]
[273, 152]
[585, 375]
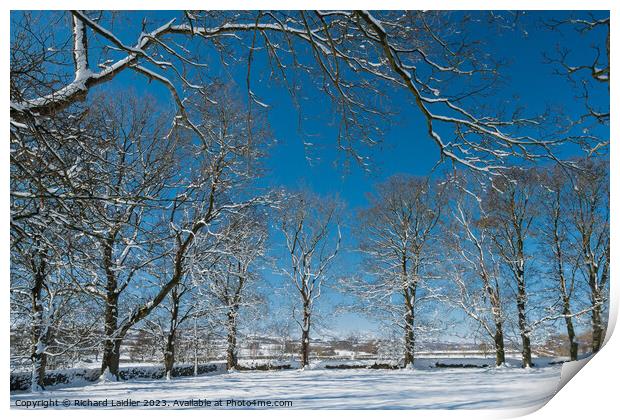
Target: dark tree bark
[496, 308]
[169, 350]
[111, 346]
[597, 325]
[498, 339]
[410, 298]
[566, 309]
[596, 296]
[230, 276]
[110, 359]
[570, 331]
[395, 233]
[115, 331]
[169, 354]
[526, 350]
[597, 331]
[231, 349]
[39, 329]
[409, 340]
[305, 335]
[233, 312]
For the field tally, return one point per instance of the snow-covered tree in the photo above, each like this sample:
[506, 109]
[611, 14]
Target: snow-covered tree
[310, 225]
[589, 217]
[131, 164]
[475, 270]
[218, 161]
[396, 234]
[45, 169]
[589, 74]
[225, 271]
[350, 56]
[38, 296]
[558, 243]
[511, 206]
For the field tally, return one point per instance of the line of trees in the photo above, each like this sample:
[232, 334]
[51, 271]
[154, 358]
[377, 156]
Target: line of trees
[524, 231]
[151, 227]
[528, 249]
[115, 217]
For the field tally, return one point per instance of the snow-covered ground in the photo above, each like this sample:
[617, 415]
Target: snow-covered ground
[452, 388]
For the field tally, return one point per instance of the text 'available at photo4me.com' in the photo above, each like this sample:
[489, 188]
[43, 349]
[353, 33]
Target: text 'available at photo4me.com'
[147, 403]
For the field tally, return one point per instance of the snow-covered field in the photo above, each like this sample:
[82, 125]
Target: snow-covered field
[452, 388]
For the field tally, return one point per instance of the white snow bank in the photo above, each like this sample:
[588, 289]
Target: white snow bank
[477, 388]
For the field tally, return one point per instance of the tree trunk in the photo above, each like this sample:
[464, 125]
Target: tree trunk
[170, 341]
[231, 350]
[597, 328]
[570, 330]
[409, 338]
[111, 359]
[142, 311]
[169, 355]
[305, 336]
[526, 352]
[498, 338]
[195, 346]
[500, 354]
[597, 303]
[112, 344]
[39, 363]
[410, 300]
[39, 331]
